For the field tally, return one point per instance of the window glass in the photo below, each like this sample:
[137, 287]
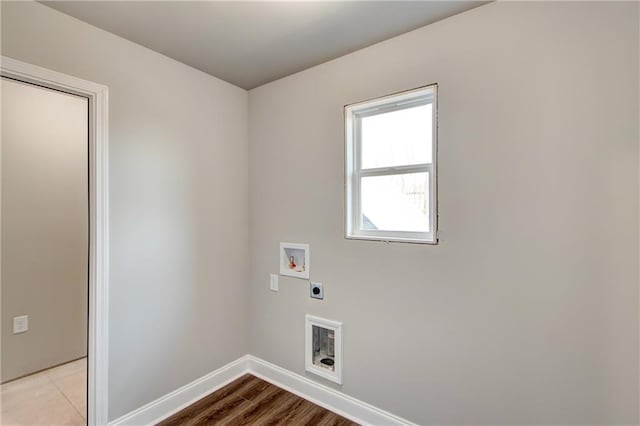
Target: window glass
[395, 202]
[397, 138]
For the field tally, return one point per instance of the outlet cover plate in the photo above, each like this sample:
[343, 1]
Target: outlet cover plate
[273, 283]
[316, 290]
[20, 324]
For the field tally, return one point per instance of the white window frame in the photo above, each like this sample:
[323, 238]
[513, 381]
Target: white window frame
[354, 173]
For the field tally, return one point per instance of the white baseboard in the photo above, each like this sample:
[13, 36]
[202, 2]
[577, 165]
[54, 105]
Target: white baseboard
[163, 407]
[331, 399]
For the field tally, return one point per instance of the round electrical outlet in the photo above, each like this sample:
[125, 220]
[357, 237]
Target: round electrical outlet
[316, 291]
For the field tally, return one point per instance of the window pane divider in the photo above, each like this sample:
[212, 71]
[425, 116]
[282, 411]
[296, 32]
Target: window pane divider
[398, 170]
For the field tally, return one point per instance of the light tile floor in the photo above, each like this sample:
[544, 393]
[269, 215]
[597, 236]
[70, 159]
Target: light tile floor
[57, 396]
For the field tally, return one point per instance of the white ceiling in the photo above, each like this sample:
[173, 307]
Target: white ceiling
[252, 43]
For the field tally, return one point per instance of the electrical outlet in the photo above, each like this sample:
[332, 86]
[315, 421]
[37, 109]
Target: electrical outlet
[20, 324]
[273, 284]
[316, 290]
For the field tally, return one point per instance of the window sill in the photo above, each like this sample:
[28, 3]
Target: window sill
[392, 239]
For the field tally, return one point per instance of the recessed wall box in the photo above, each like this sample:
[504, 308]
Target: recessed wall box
[323, 348]
[295, 260]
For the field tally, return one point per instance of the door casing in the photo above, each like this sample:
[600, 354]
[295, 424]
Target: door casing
[98, 324]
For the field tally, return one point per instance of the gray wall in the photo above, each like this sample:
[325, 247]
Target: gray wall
[45, 210]
[527, 310]
[178, 202]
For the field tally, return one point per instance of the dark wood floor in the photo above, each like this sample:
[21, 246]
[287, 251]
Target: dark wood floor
[252, 401]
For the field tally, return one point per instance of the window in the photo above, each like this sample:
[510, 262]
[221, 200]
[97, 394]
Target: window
[391, 167]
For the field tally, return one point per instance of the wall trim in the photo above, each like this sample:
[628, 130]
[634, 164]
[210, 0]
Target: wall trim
[331, 399]
[169, 404]
[324, 396]
[98, 325]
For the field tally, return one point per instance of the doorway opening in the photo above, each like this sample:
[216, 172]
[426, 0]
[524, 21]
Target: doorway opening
[54, 245]
[44, 254]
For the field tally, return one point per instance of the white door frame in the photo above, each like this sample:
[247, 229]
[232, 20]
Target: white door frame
[98, 220]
